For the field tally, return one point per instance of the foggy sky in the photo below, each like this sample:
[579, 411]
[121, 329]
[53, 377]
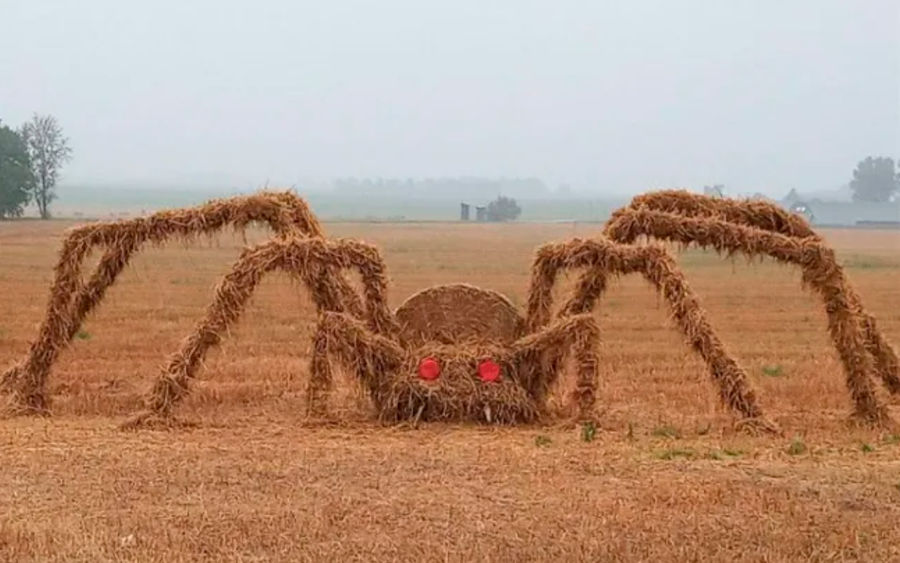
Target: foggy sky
[613, 96]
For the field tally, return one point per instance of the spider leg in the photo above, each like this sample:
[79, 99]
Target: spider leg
[579, 334]
[72, 299]
[856, 340]
[887, 365]
[750, 213]
[304, 258]
[602, 258]
[765, 216]
[367, 354]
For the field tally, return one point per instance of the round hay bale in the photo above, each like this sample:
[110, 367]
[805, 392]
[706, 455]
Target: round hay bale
[456, 313]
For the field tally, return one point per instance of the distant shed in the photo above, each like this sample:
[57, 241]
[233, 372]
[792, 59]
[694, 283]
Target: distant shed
[854, 213]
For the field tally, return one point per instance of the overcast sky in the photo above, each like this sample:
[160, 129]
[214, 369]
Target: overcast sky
[612, 96]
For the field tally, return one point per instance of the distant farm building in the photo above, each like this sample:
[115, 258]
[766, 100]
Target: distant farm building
[464, 211]
[849, 214]
[480, 212]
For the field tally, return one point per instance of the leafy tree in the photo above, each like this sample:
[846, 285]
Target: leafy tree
[16, 179]
[48, 150]
[875, 180]
[503, 209]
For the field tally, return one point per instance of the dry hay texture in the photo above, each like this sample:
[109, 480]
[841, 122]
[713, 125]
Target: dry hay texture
[760, 228]
[601, 258]
[461, 327]
[385, 354]
[388, 370]
[72, 298]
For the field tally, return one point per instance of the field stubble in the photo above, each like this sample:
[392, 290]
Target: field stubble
[665, 476]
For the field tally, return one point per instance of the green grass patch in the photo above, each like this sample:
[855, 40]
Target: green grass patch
[863, 262]
[718, 455]
[676, 453]
[773, 370]
[83, 335]
[666, 431]
[797, 447]
[588, 431]
[542, 441]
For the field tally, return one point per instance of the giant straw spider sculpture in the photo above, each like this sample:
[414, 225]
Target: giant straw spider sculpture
[457, 352]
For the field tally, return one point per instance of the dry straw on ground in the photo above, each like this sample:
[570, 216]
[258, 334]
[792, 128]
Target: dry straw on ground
[758, 228]
[255, 465]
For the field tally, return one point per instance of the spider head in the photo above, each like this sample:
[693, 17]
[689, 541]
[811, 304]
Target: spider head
[471, 382]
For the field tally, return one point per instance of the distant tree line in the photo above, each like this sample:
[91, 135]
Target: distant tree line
[875, 179]
[463, 186]
[31, 158]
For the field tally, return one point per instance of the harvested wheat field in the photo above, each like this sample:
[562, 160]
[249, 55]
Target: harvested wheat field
[249, 477]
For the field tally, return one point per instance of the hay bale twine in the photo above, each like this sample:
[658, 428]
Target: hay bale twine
[456, 313]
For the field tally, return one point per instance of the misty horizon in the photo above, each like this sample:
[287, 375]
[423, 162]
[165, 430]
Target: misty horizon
[608, 100]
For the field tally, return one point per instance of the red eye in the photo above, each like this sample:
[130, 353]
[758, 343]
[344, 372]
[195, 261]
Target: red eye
[489, 371]
[429, 369]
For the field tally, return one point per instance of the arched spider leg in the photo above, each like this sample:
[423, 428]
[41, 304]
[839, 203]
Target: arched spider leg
[305, 258]
[72, 299]
[751, 213]
[365, 353]
[768, 217]
[820, 270]
[576, 334]
[760, 214]
[602, 258]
